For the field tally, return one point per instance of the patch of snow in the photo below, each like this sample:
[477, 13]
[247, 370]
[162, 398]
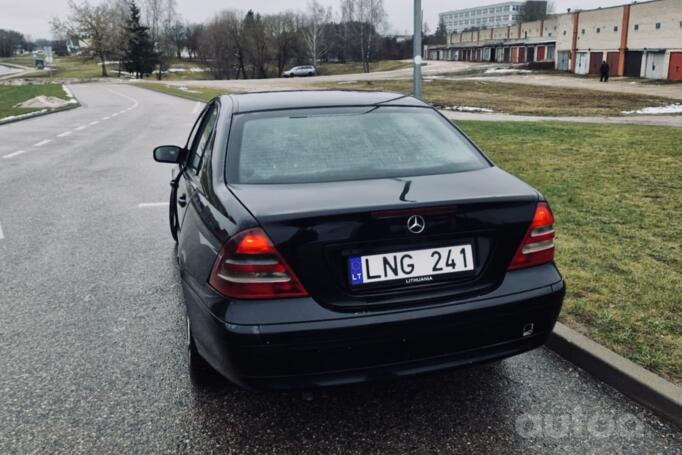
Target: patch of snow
[44, 101]
[4, 70]
[72, 99]
[505, 71]
[470, 109]
[185, 70]
[67, 91]
[675, 108]
[185, 89]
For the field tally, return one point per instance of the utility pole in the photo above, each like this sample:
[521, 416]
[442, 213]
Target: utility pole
[417, 41]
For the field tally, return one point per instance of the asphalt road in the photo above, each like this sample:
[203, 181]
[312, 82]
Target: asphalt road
[92, 342]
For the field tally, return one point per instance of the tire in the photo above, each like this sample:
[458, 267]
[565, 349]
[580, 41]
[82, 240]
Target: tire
[200, 372]
[173, 214]
[310, 74]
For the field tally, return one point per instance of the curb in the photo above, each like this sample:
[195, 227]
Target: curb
[40, 114]
[640, 385]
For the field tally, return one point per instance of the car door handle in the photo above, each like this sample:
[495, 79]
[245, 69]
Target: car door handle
[182, 200]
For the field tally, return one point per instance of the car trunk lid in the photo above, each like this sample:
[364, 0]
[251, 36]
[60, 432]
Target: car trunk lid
[320, 227]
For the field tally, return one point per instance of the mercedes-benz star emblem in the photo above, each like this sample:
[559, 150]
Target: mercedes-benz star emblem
[416, 224]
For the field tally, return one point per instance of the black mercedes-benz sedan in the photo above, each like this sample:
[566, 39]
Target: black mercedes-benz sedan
[328, 237]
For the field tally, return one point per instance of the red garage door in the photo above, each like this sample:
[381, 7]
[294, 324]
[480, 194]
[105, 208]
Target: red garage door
[675, 73]
[541, 54]
[522, 55]
[613, 59]
[595, 62]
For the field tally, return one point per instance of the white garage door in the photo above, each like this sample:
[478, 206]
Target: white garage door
[655, 62]
[582, 63]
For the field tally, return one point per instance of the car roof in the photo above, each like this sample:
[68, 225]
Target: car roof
[301, 99]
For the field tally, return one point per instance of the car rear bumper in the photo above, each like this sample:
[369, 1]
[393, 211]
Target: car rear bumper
[364, 347]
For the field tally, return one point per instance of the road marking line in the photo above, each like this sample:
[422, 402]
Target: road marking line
[2, 234]
[81, 127]
[41, 143]
[123, 111]
[64, 134]
[93, 123]
[135, 102]
[114, 115]
[19, 152]
[197, 108]
[152, 204]
[106, 118]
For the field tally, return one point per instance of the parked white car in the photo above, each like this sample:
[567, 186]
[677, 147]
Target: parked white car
[300, 71]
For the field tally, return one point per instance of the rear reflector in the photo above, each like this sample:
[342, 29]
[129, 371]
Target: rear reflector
[538, 245]
[250, 267]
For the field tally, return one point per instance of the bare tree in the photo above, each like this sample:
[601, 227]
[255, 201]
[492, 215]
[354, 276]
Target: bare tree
[348, 25]
[315, 30]
[120, 12]
[93, 25]
[177, 37]
[371, 18]
[193, 34]
[256, 43]
[216, 45]
[283, 36]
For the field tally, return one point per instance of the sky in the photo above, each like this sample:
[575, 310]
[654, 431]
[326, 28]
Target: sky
[31, 17]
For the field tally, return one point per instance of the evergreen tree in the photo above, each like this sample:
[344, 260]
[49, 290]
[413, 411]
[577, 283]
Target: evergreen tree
[140, 57]
[441, 35]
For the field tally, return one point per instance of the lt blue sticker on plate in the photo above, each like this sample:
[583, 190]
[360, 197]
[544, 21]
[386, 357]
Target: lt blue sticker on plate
[355, 270]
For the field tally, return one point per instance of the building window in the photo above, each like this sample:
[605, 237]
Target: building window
[583, 31]
[598, 30]
[615, 28]
[636, 26]
[658, 25]
[564, 32]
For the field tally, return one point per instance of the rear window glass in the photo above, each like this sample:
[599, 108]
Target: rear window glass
[326, 145]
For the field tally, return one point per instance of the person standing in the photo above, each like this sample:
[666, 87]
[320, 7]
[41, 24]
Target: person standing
[605, 69]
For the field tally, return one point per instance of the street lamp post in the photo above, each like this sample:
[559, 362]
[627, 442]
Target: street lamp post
[417, 49]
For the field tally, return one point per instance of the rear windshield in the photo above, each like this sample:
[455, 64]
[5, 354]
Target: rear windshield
[326, 145]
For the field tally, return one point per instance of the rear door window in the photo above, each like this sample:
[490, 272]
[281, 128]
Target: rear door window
[324, 145]
[202, 140]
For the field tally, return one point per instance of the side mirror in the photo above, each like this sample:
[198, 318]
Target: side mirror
[168, 154]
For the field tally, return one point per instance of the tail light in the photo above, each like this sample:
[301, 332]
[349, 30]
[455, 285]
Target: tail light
[250, 267]
[538, 245]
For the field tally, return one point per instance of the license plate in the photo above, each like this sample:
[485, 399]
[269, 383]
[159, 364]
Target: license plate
[411, 267]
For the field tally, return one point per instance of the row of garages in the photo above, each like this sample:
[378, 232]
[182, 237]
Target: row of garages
[640, 39]
[650, 64]
[500, 54]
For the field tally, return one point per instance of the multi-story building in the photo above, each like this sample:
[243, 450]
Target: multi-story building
[642, 39]
[486, 17]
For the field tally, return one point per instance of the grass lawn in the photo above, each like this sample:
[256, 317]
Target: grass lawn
[73, 67]
[193, 93]
[328, 69]
[23, 60]
[10, 95]
[616, 192]
[515, 98]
